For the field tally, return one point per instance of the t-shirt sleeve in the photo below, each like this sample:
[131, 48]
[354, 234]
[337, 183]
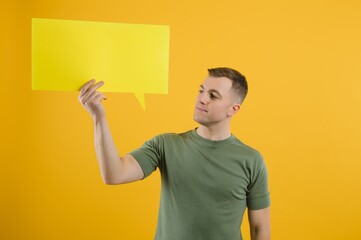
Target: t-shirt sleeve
[258, 194]
[149, 155]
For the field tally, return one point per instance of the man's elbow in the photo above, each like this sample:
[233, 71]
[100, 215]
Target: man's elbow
[260, 234]
[112, 181]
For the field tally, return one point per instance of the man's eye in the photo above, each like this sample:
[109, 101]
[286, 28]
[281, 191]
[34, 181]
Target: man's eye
[212, 96]
[200, 90]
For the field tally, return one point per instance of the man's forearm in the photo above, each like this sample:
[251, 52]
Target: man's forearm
[106, 152]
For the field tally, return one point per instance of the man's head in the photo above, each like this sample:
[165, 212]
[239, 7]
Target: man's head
[239, 82]
[220, 97]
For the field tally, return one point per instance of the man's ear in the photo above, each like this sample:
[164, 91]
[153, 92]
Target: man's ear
[233, 109]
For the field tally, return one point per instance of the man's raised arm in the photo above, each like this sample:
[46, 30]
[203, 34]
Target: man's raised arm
[114, 169]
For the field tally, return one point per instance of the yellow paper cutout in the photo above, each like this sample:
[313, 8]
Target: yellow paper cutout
[128, 57]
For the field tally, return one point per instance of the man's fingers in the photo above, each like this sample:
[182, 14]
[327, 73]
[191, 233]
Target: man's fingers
[89, 86]
[98, 85]
[99, 97]
[85, 87]
[92, 97]
[88, 90]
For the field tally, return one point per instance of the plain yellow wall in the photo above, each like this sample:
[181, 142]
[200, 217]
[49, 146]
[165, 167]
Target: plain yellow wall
[303, 63]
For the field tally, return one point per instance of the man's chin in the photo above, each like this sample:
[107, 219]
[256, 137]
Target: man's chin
[195, 118]
[198, 120]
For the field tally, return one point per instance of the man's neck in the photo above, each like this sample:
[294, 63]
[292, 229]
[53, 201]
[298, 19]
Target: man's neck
[213, 133]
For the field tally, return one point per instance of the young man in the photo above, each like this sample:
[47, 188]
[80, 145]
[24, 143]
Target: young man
[208, 176]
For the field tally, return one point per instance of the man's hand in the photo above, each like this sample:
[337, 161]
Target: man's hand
[91, 99]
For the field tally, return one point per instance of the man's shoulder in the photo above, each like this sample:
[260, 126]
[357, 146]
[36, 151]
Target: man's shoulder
[246, 149]
[169, 141]
[175, 135]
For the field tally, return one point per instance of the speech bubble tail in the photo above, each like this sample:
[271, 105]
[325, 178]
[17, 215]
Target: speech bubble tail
[141, 100]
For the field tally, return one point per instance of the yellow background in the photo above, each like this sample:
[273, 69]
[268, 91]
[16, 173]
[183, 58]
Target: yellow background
[302, 60]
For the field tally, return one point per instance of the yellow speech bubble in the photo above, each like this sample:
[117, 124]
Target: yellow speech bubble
[128, 57]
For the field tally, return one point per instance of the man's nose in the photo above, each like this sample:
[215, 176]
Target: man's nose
[203, 99]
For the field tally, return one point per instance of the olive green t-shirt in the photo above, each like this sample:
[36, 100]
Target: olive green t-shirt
[206, 185]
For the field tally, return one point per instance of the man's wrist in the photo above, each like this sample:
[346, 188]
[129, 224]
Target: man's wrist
[99, 119]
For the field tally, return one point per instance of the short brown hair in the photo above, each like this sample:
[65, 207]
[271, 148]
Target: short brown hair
[239, 82]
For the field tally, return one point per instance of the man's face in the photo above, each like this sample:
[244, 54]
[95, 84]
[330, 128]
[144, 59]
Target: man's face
[215, 102]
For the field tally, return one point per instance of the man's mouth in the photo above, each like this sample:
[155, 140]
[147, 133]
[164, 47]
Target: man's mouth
[201, 109]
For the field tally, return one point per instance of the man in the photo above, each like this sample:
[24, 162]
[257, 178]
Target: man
[208, 176]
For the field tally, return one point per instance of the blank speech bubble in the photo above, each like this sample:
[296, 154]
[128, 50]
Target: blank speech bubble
[130, 58]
